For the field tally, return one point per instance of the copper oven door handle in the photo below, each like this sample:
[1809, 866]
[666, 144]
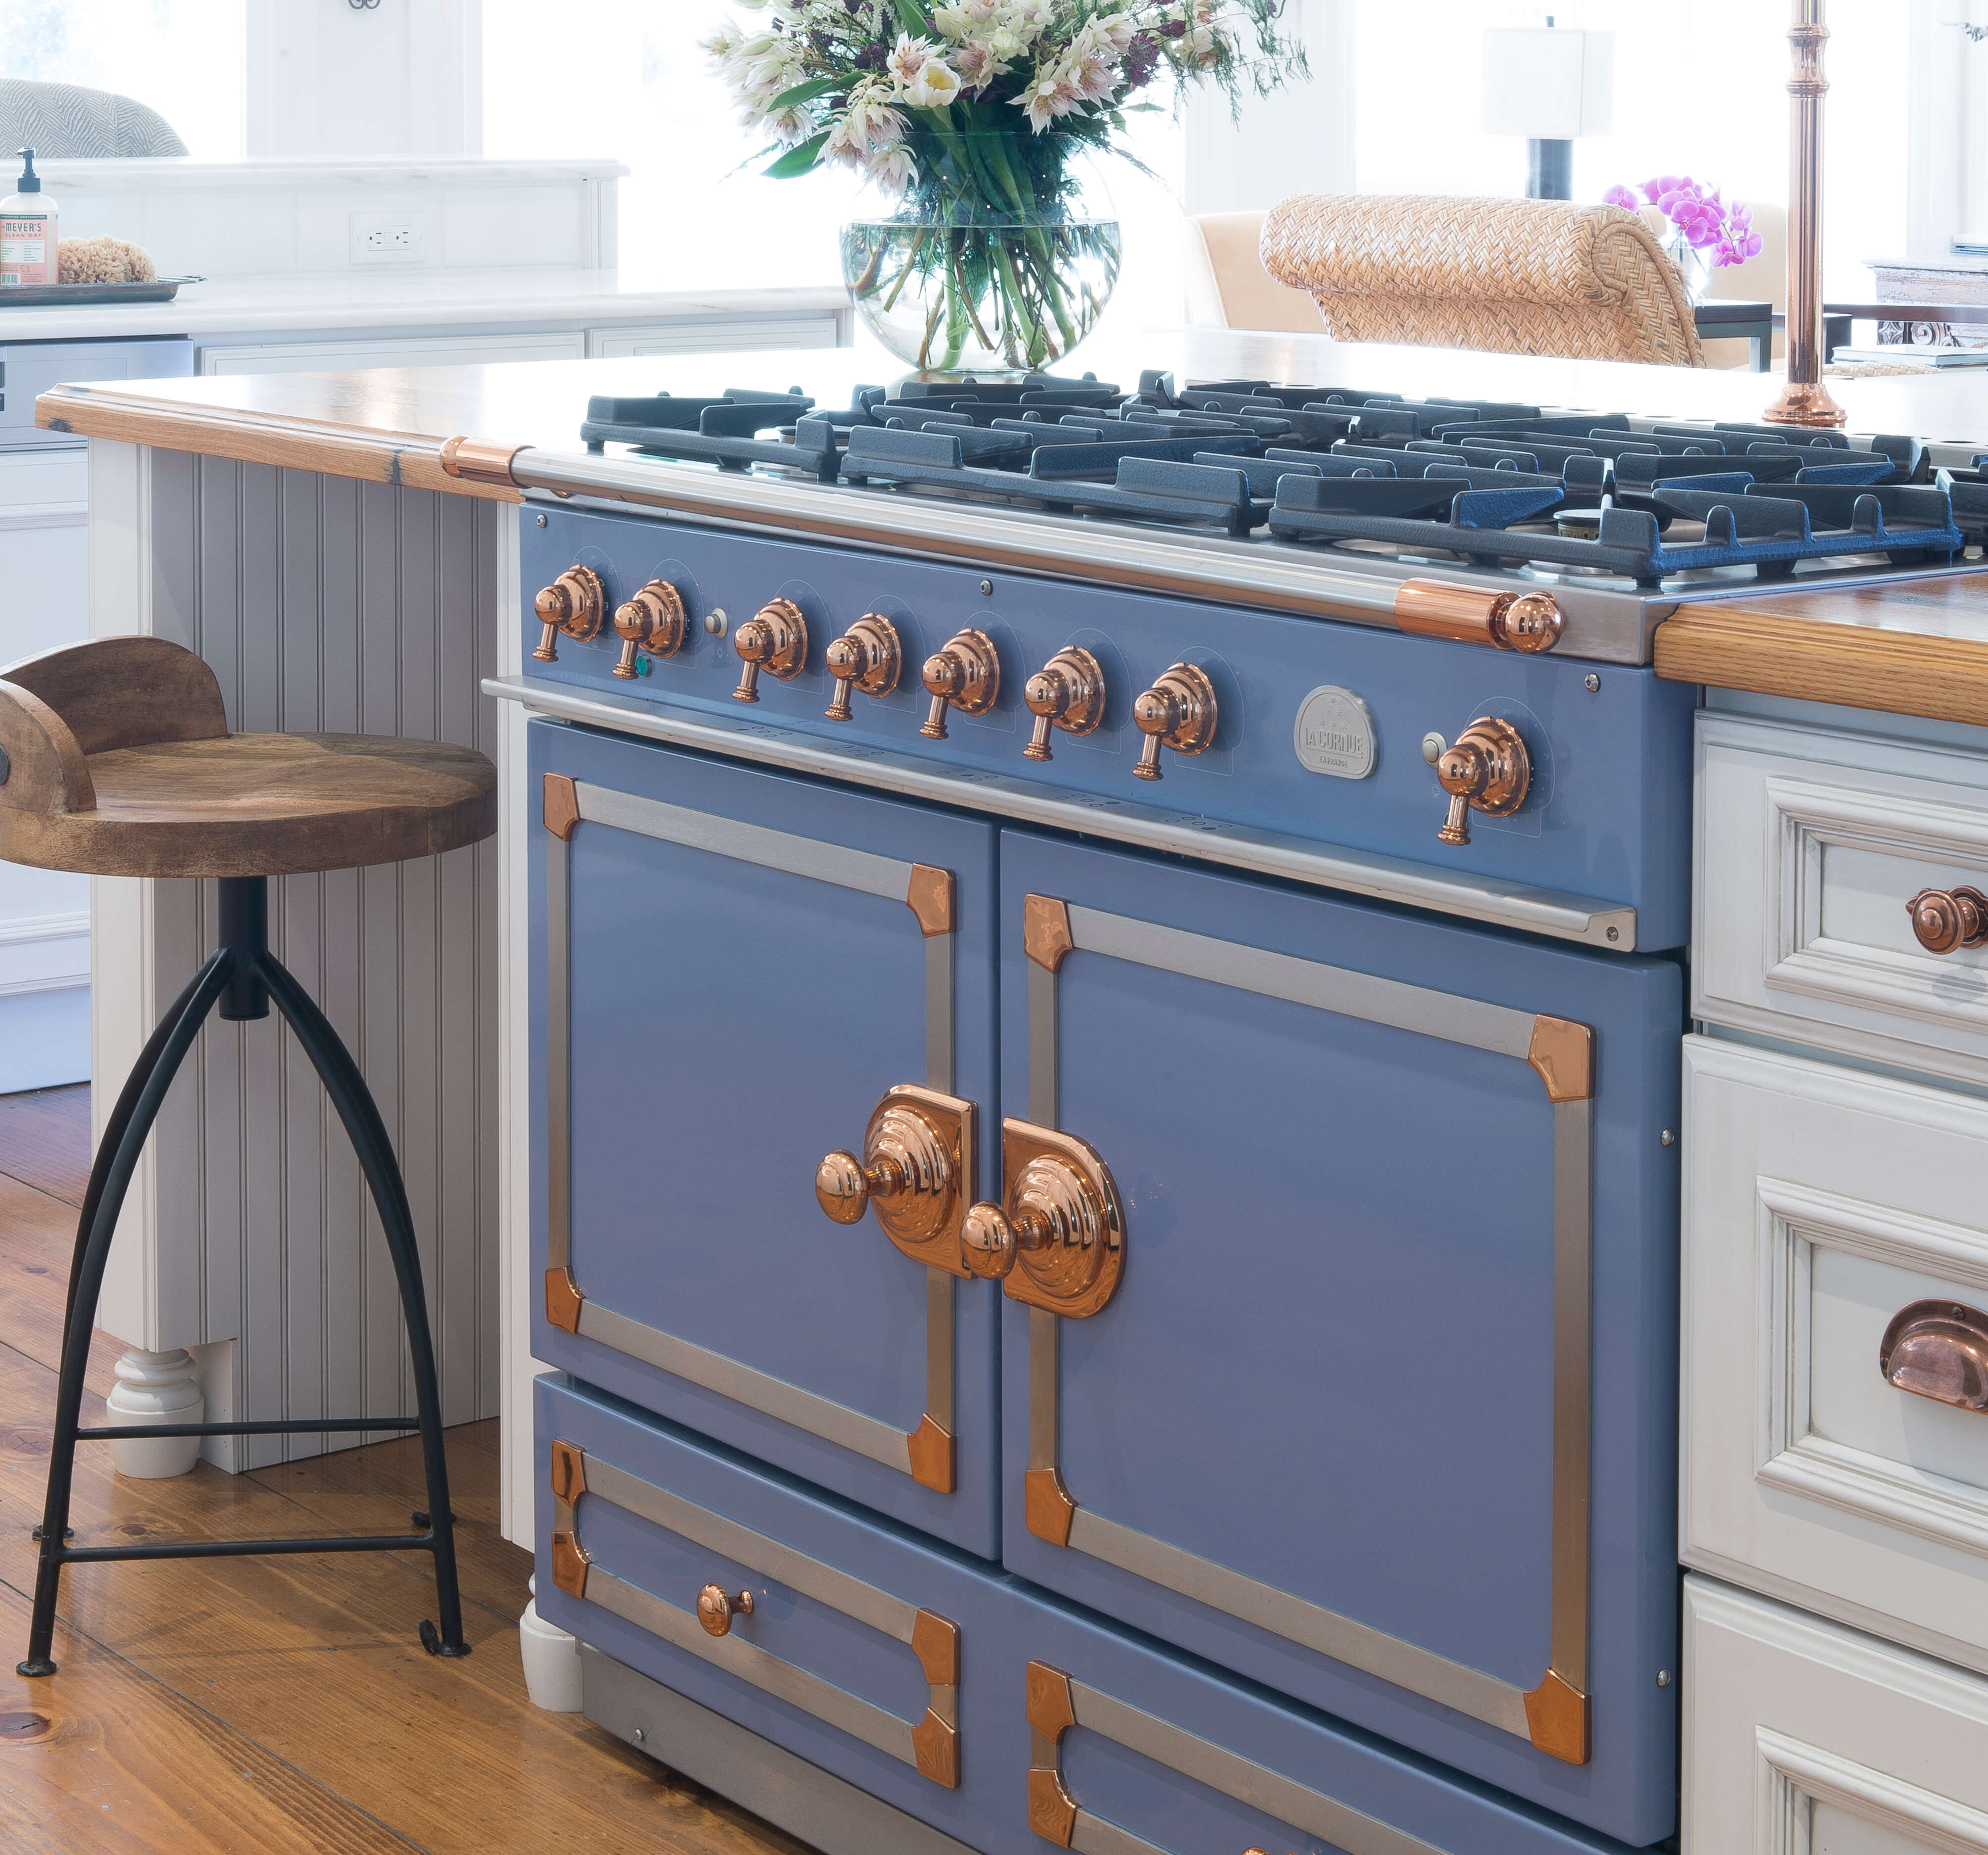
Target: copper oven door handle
[1938, 1350]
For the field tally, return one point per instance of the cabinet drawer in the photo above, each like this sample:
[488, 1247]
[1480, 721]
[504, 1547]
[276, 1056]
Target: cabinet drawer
[1808, 847]
[953, 1692]
[1804, 1738]
[1820, 1205]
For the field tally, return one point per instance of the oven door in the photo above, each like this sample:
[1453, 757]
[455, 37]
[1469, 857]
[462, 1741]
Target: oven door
[1352, 1365]
[734, 973]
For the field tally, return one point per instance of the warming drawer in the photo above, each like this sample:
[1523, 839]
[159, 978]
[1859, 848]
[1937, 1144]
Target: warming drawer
[960, 1696]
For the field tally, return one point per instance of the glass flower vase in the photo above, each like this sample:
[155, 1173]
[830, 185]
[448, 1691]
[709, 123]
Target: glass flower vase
[999, 259]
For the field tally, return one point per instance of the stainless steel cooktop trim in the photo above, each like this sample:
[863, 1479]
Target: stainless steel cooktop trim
[1551, 912]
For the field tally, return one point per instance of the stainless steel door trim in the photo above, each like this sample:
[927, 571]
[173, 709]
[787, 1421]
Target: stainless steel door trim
[757, 1391]
[1551, 912]
[1090, 1835]
[896, 1617]
[798, 1686]
[754, 843]
[792, 1404]
[929, 1744]
[1251, 1784]
[1405, 1664]
[1504, 1031]
[1451, 1016]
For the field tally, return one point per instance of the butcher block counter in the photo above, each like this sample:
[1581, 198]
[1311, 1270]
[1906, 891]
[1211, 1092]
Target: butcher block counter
[306, 534]
[1920, 650]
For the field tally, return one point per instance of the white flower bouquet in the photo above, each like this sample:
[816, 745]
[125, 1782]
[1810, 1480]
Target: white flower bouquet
[971, 116]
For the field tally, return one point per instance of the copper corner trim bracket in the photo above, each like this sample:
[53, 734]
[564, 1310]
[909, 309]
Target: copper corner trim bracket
[931, 1451]
[569, 1470]
[935, 1642]
[928, 895]
[562, 805]
[1562, 1052]
[1557, 1716]
[1047, 1506]
[935, 1749]
[1052, 1710]
[479, 461]
[562, 1299]
[1052, 1815]
[1046, 930]
[570, 1564]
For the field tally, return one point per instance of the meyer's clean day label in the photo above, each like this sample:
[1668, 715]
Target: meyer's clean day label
[24, 251]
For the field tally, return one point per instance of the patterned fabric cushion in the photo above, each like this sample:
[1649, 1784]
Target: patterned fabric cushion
[65, 121]
[1508, 276]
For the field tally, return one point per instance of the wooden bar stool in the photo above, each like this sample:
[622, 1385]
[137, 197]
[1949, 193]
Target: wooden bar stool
[116, 760]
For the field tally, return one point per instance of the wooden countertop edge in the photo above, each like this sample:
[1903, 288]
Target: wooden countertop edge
[409, 459]
[1906, 672]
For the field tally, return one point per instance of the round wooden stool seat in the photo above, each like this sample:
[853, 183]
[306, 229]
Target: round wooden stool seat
[119, 763]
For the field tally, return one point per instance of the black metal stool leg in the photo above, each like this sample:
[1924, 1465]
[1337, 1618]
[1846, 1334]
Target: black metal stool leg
[109, 1181]
[354, 1102]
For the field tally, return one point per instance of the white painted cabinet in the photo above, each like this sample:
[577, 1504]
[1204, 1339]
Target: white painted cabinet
[325, 355]
[1804, 1738]
[818, 330]
[1819, 1201]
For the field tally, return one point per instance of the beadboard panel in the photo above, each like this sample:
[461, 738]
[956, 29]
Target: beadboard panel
[323, 604]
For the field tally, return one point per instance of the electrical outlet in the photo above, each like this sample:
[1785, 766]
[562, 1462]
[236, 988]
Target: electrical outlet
[389, 237]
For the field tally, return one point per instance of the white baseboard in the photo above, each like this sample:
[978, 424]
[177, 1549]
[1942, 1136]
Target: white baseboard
[44, 1037]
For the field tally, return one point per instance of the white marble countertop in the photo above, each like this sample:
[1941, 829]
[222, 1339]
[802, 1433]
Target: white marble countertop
[412, 298]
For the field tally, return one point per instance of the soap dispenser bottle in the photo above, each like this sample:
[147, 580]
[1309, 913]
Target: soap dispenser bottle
[27, 231]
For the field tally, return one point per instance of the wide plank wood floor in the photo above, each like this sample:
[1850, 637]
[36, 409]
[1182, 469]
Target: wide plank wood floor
[271, 1705]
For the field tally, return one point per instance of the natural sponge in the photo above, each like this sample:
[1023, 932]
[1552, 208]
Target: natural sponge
[103, 261]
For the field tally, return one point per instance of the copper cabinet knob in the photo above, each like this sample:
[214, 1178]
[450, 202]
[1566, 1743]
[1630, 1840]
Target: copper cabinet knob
[1944, 919]
[716, 1607]
[1067, 692]
[843, 1186]
[576, 603]
[1938, 1350]
[774, 640]
[866, 656]
[653, 621]
[965, 675]
[1179, 711]
[916, 1152]
[1489, 769]
[1058, 1237]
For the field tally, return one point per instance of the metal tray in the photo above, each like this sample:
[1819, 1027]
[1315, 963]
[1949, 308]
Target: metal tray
[49, 295]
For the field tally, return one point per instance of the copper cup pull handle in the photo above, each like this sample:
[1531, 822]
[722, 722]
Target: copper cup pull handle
[1946, 919]
[717, 1607]
[1938, 1350]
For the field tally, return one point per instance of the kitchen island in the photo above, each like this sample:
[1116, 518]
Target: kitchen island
[351, 546]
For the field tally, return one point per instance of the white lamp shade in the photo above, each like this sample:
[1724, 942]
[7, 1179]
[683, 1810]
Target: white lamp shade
[1548, 85]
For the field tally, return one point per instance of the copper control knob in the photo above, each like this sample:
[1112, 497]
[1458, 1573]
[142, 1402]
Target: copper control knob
[866, 656]
[1178, 711]
[1067, 692]
[1489, 768]
[1943, 919]
[576, 603]
[774, 640]
[653, 621]
[716, 1607]
[965, 675]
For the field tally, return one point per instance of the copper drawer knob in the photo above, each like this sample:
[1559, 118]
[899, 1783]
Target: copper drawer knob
[1067, 692]
[774, 640]
[716, 1607]
[965, 675]
[1944, 919]
[653, 621]
[1179, 711]
[1488, 770]
[1938, 1350]
[576, 603]
[866, 656]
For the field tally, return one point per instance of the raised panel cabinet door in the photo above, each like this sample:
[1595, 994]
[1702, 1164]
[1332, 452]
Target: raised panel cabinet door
[735, 973]
[1379, 1407]
[1835, 1360]
[1805, 1737]
[1809, 846]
